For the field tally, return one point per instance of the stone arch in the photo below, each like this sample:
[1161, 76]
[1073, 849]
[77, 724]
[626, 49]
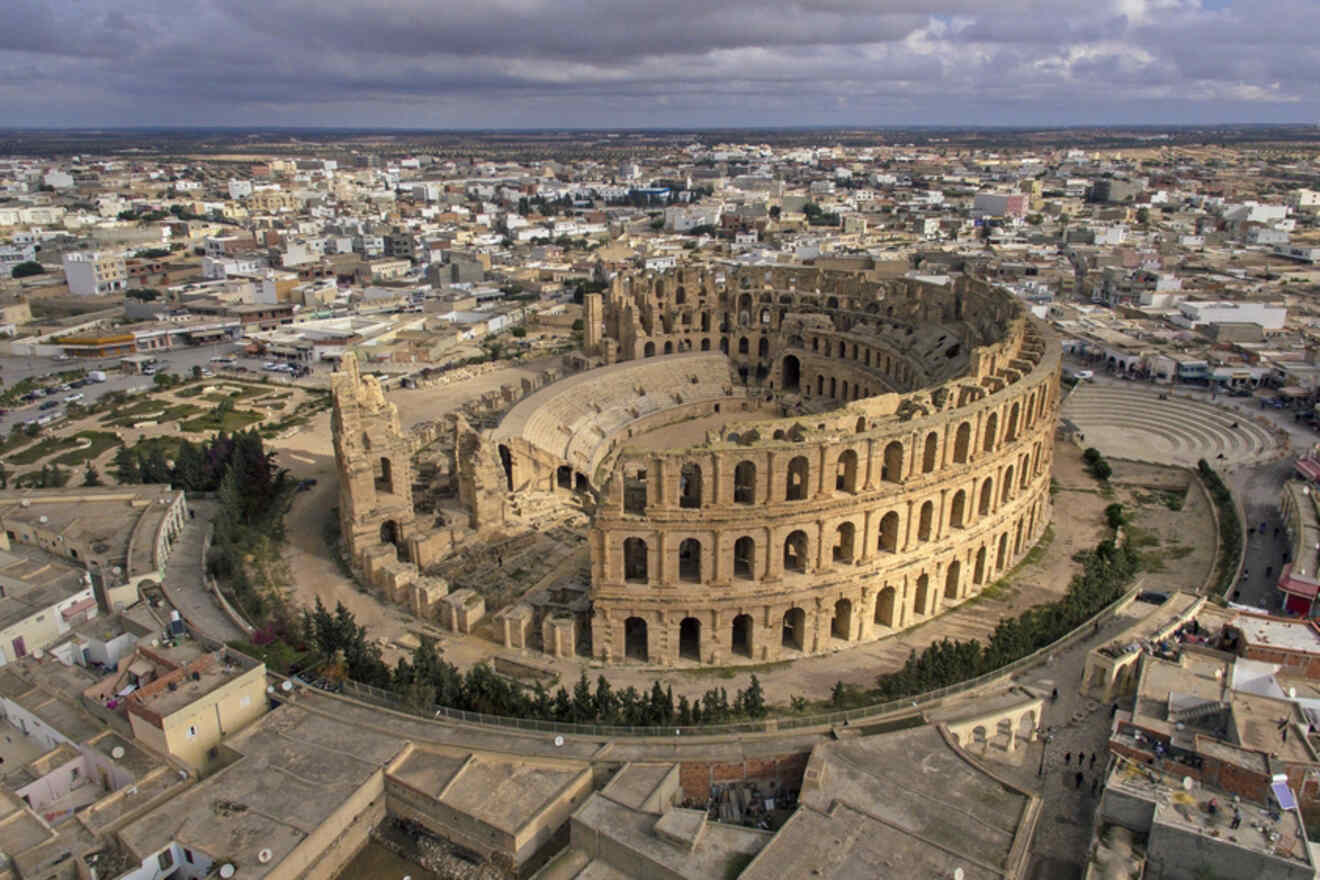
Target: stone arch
[978, 574]
[951, 580]
[580, 482]
[987, 496]
[669, 346]
[891, 471]
[635, 570]
[1017, 538]
[958, 510]
[861, 424]
[744, 483]
[763, 347]
[1011, 427]
[689, 639]
[991, 429]
[744, 558]
[921, 595]
[841, 623]
[390, 533]
[384, 475]
[689, 486]
[740, 636]
[635, 642]
[649, 350]
[792, 373]
[724, 345]
[926, 522]
[794, 633]
[1006, 488]
[680, 295]
[564, 477]
[844, 540]
[689, 561]
[795, 551]
[705, 343]
[930, 452]
[962, 443]
[743, 345]
[884, 607]
[888, 540]
[799, 471]
[1001, 558]
[834, 387]
[845, 472]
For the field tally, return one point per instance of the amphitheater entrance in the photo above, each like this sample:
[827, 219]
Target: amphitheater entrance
[689, 561]
[792, 373]
[740, 640]
[689, 639]
[581, 483]
[951, 580]
[841, 624]
[564, 477]
[634, 639]
[884, 607]
[795, 629]
[389, 534]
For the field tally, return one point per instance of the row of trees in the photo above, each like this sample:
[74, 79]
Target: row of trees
[426, 681]
[1230, 527]
[1106, 572]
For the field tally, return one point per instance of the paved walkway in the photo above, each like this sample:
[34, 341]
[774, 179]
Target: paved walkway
[183, 579]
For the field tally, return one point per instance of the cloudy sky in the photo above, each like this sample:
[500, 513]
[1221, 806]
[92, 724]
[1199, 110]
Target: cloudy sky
[634, 63]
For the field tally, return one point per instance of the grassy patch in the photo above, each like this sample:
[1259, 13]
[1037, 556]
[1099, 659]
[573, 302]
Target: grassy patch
[169, 446]
[734, 671]
[101, 441]
[234, 420]
[46, 447]
[1139, 537]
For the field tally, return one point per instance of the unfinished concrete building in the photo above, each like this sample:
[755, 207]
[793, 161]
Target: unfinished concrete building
[774, 462]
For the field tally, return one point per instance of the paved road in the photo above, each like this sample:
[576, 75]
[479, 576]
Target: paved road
[183, 579]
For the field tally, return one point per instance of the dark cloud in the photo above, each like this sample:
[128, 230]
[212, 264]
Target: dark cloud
[639, 62]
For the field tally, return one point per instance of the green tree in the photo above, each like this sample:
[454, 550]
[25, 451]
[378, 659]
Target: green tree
[127, 468]
[4, 477]
[519, 332]
[91, 477]
[197, 371]
[26, 269]
[1143, 216]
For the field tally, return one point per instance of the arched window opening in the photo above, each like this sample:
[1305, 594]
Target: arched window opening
[798, 472]
[689, 486]
[1002, 558]
[951, 580]
[843, 542]
[845, 475]
[564, 477]
[792, 373]
[795, 629]
[841, 623]
[991, 429]
[649, 350]
[925, 522]
[744, 558]
[689, 639]
[1007, 488]
[929, 452]
[1010, 433]
[634, 639]
[669, 347]
[740, 640]
[689, 561]
[744, 483]
[978, 576]
[889, 533]
[744, 346]
[892, 470]
[795, 552]
[634, 561]
[724, 345]
[884, 607]
[919, 606]
[634, 493]
[958, 510]
[987, 497]
[384, 476]
[962, 443]
[763, 347]
[705, 344]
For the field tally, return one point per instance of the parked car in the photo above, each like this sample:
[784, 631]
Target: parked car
[50, 404]
[74, 398]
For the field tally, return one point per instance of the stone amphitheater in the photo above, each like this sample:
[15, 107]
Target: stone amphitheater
[1132, 422]
[766, 463]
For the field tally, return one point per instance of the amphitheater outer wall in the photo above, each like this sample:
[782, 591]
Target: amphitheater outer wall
[925, 479]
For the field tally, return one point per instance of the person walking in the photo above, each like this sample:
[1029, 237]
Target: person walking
[1067, 758]
[1080, 777]
[1093, 760]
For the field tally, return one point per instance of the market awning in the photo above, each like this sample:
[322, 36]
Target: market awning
[1295, 586]
[1308, 468]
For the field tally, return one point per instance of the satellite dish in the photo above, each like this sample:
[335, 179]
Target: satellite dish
[1188, 783]
[265, 855]
[287, 686]
[559, 741]
[117, 752]
[226, 871]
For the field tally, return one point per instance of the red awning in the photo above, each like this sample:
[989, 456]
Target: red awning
[78, 608]
[1290, 584]
[1309, 468]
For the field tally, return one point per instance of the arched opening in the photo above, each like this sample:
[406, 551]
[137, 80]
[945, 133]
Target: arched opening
[861, 424]
[987, 496]
[843, 390]
[1002, 558]
[743, 346]
[744, 558]
[649, 350]
[892, 469]
[843, 542]
[923, 588]
[689, 561]
[581, 483]
[795, 551]
[506, 462]
[928, 453]
[680, 295]
[1017, 540]
[1006, 489]
[705, 343]
[845, 472]
[792, 373]
[669, 347]
[634, 493]
[884, 607]
[962, 443]
[991, 428]
[724, 345]
[841, 623]
[564, 477]
[689, 486]
[384, 476]
[763, 347]
[957, 509]
[889, 532]
[390, 534]
[634, 639]
[705, 322]
[820, 386]
[634, 561]
[740, 640]
[926, 521]
[834, 387]
[978, 575]
[796, 487]
[951, 580]
[795, 629]
[1011, 429]
[689, 639]
[744, 483]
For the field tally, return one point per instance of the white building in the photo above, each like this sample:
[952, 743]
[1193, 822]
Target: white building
[1270, 316]
[239, 189]
[679, 218]
[95, 273]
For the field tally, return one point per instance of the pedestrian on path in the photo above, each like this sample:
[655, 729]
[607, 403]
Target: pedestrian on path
[1067, 758]
[1080, 777]
[1093, 760]
[1054, 697]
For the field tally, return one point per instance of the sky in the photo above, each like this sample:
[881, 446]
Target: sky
[657, 63]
